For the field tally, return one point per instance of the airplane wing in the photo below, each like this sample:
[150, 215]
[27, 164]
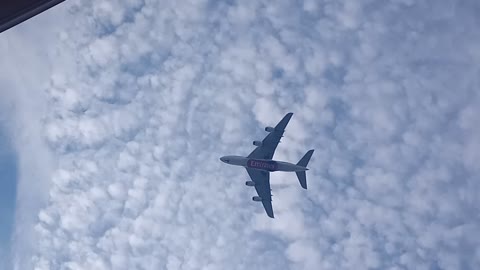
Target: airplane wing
[262, 185]
[269, 144]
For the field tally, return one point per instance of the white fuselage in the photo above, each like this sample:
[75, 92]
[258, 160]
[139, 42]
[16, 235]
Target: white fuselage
[262, 164]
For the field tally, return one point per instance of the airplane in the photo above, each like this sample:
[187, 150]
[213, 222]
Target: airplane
[259, 164]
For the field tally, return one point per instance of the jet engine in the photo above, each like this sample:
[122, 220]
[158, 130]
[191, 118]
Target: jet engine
[257, 143]
[250, 183]
[257, 198]
[269, 129]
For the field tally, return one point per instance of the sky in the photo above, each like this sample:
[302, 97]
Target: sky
[8, 172]
[115, 114]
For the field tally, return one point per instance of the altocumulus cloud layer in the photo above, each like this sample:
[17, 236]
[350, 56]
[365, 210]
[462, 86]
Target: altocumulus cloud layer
[142, 97]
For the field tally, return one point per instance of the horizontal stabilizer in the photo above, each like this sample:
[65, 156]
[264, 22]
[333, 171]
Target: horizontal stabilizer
[305, 159]
[302, 177]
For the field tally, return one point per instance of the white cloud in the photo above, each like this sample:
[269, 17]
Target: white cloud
[144, 97]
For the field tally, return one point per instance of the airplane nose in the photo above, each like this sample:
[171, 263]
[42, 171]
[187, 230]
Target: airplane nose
[222, 159]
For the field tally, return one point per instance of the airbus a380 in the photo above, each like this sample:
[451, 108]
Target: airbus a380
[259, 164]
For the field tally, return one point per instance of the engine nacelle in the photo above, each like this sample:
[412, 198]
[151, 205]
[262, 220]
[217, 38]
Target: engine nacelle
[269, 129]
[250, 183]
[257, 143]
[257, 198]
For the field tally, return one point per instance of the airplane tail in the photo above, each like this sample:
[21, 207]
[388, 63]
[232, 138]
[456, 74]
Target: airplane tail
[302, 177]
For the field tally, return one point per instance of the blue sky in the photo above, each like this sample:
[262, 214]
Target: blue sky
[121, 109]
[8, 172]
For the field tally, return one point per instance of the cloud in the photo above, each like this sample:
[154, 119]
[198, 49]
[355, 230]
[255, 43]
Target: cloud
[144, 96]
[24, 74]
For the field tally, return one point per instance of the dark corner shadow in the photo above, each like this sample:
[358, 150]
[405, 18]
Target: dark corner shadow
[13, 12]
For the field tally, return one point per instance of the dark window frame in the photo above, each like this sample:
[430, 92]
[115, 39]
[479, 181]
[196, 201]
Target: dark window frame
[13, 12]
